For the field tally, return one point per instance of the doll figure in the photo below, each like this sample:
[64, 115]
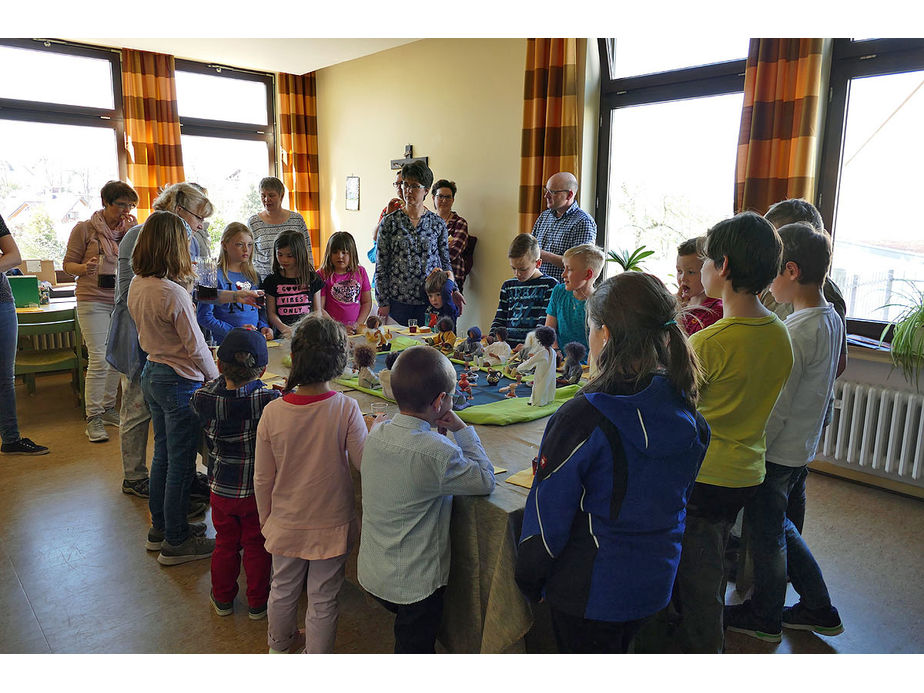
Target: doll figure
[471, 347]
[364, 358]
[574, 354]
[497, 351]
[376, 335]
[494, 377]
[539, 345]
[464, 385]
[445, 339]
[511, 389]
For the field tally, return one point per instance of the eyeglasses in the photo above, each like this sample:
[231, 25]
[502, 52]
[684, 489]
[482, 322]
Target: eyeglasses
[124, 205]
[397, 183]
[409, 186]
[443, 197]
[188, 211]
[548, 193]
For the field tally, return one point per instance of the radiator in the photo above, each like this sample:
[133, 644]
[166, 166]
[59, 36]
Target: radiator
[877, 430]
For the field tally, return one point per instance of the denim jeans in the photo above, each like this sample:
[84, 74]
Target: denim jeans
[102, 384]
[176, 440]
[9, 328]
[775, 542]
[135, 419]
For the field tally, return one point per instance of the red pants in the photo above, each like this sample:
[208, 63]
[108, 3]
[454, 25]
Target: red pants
[237, 526]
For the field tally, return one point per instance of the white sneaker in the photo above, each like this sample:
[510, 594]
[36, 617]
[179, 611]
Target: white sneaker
[110, 417]
[96, 431]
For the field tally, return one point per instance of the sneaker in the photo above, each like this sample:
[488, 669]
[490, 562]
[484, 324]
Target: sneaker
[110, 417]
[739, 618]
[821, 621]
[193, 549]
[197, 510]
[221, 608]
[155, 538]
[137, 487]
[200, 488]
[96, 431]
[256, 613]
[23, 446]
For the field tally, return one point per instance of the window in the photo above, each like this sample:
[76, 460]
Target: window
[871, 176]
[667, 148]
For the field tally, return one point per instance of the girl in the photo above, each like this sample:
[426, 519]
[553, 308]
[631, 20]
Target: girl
[293, 289]
[347, 294]
[606, 512]
[235, 271]
[306, 442]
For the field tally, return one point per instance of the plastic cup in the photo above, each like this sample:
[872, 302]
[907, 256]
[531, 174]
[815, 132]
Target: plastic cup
[379, 408]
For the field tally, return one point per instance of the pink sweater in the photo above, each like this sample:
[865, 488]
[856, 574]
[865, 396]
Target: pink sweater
[302, 479]
[167, 329]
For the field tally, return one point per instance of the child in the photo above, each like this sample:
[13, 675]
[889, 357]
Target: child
[439, 288]
[235, 271]
[229, 408]
[410, 473]
[293, 290]
[699, 310]
[497, 351]
[746, 358]
[565, 314]
[541, 357]
[385, 374]
[306, 442]
[347, 294]
[604, 517]
[793, 432]
[521, 306]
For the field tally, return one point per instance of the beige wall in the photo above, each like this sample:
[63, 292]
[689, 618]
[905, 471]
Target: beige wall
[460, 103]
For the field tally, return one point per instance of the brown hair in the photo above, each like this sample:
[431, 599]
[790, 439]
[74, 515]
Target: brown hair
[808, 248]
[435, 282]
[340, 240]
[247, 268]
[524, 245]
[274, 184]
[115, 189]
[419, 375]
[319, 351]
[162, 249]
[295, 241]
[752, 247]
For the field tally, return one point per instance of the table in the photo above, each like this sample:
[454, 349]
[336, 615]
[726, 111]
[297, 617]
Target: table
[484, 610]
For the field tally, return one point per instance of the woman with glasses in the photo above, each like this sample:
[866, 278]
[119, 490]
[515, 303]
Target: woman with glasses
[444, 194]
[411, 242]
[393, 205]
[92, 256]
[272, 221]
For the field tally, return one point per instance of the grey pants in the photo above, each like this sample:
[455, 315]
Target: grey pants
[135, 421]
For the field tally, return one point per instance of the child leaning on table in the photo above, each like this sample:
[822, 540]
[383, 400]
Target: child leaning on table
[523, 300]
[229, 408]
[306, 442]
[410, 474]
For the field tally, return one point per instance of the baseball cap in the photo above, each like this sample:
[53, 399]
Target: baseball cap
[241, 339]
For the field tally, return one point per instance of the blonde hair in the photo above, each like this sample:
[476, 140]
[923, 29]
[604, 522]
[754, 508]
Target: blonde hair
[247, 268]
[592, 256]
[162, 249]
[189, 196]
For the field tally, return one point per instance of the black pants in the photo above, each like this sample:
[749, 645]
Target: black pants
[417, 624]
[576, 635]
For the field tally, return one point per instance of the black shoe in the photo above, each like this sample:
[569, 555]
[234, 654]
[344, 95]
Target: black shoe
[256, 613]
[155, 540]
[23, 446]
[739, 618]
[197, 510]
[193, 549]
[821, 621]
[138, 487]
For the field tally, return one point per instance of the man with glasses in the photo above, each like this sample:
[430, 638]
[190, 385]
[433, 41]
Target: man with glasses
[563, 225]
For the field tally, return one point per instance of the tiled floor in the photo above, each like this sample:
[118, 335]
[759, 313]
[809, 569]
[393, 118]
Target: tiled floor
[74, 575]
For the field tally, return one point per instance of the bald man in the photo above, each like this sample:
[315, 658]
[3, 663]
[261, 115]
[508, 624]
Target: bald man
[563, 224]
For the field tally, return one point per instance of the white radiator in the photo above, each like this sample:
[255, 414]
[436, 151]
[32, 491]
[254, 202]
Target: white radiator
[878, 431]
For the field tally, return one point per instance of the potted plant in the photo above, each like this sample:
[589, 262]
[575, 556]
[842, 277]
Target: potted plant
[907, 348]
[629, 261]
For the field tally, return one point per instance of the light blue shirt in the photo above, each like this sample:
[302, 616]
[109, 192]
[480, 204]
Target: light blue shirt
[570, 314]
[409, 475]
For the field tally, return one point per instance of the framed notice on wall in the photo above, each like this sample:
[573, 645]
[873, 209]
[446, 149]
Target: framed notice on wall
[352, 193]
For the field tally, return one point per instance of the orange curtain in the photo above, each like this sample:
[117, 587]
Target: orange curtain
[777, 142]
[152, 125]
[298, 129]
[550, 121]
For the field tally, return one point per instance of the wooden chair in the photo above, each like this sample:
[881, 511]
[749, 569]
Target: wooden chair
[50, 341]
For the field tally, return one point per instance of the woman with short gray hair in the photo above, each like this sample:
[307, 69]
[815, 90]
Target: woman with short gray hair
[272, 221]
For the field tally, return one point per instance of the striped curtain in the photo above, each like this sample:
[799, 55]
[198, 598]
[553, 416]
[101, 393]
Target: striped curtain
[152, 125]
[780, 129]
[550, 121]
[298, 129]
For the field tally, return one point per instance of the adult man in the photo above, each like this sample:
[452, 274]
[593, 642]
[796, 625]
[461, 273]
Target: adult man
[563, 225]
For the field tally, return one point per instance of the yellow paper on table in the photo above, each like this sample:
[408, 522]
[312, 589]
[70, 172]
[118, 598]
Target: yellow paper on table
[499, 470]
[267, 377]
[522, 478]
[272, 343]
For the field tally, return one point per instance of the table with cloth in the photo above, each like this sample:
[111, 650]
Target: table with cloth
[484, 611]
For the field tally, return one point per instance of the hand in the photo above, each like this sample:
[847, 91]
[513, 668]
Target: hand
[393, 205]
[250, 297]
[450, 421]
[459, 299]
[352, 329]
[127, 220]
[517, 348]
[372, 421]
[383, 313]
[91, 266]
[267, 333]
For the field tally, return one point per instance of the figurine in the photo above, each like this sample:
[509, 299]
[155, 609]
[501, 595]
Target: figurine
[471, 348]
[459, 401]
[376, 335]
[364, 358]
[539, 344]
[445, 340]
[385, 373]
[511, 389]
[494, 377]
[497, 351]
[574, 354]
[464, 385]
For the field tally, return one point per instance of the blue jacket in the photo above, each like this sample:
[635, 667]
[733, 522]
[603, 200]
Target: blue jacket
[219, 318]
[605, 515]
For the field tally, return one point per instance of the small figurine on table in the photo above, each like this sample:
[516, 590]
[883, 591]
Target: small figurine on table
[539, 344]
[376, 335]
[497, 351]
[494, 377]
[364, 359]
[511, 389]
[574, 354]
[471, 348]
[464, 385]
[445, 339]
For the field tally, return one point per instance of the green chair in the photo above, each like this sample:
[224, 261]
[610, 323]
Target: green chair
[38, 352]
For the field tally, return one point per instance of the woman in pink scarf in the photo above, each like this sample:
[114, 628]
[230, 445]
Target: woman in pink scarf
[92, 256]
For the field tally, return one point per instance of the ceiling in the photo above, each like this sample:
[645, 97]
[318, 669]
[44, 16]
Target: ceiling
[292, 55]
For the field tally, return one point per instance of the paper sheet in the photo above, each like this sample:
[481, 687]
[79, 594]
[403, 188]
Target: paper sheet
[522, 478]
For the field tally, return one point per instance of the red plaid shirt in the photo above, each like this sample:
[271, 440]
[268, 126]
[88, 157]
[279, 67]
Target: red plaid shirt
[458, 239]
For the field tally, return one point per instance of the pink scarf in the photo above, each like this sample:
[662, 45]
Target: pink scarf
[108, 240]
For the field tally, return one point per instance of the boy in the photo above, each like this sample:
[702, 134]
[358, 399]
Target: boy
[230, 408]
[699, 309]
[745, 358]
[410, 473]
[439, 288]
[793, 432]
[522, 304]
[565, 314]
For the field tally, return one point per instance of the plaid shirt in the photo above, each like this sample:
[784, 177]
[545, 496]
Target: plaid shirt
[556, 235]
[406, 255]
[230, 418]
[457, 228]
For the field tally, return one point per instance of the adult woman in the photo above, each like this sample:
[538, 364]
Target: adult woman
[394, 204]
[411, 242]
[444, 194]
[92, 255]
[268, 224]
[13, 443]
[178, 362]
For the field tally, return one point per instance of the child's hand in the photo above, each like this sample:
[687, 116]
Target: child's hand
[450, 421]
[267, 332]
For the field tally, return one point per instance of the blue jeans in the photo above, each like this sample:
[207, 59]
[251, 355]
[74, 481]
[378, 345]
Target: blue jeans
[400, 312]
[176, 440]
[776, 543]
[9, 328]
